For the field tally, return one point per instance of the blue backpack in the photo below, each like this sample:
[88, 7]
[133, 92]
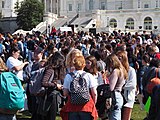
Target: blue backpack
[12, 94]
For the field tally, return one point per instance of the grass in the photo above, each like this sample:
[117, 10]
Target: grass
[137, 114]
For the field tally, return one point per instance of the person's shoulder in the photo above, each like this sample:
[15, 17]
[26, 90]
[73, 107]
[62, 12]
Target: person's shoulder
[10, 58]
[116, 70]
[131, 68]
[88, 75]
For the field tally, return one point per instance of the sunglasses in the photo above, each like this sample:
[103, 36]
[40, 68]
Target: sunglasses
[88, 62]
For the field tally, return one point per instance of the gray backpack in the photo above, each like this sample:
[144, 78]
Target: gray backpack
[35, 84]
[79, 90]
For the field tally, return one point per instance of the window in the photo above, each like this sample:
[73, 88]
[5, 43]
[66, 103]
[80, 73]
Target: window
[156, 3]
[102, 5]
[79, 7]
[2, 4]
[113, 23]
[119, 5]
[138, 3]
[70, 7]
[90, 4]
[148, 23]
[130, 23]
[146, 6]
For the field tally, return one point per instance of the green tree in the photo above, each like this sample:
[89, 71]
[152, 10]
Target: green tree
[29, 14]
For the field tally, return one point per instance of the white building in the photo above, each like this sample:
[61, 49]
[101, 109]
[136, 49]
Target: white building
[117, 14]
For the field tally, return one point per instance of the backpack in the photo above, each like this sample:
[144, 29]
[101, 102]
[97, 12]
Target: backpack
[104, 99]
[12, 94]
[79, 90]
[153, 82]
[35, 84]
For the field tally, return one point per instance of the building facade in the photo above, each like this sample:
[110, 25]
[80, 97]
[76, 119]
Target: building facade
[118, 14]
[130, 15]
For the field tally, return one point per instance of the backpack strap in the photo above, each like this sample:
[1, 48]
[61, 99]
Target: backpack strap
[72, 74]
[83, 74]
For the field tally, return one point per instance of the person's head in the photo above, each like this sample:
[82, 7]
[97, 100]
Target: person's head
[71, 55]
[145, 59]
[15, 52]
[2, 65]
[122, 56]
[38, 53]
[56, 62]
[154, 62]
[79, 62]
[91, 65]
[113, 62]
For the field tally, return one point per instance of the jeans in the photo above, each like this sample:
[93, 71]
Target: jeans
[30, 55]
[80, 116]
[7, 117]
[115, 114]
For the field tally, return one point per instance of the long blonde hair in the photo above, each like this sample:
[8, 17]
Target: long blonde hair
[2, 65]
[122, 55]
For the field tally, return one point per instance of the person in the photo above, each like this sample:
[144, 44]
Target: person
[54, 66]
[33, 66]
[117, 77]
[91, 67]
[86, 111]
[129, 89]
[9, 116]
[149, 73]
[3, 66]
[154, 111]
[69, 59]
[140, 73]
[14, 64]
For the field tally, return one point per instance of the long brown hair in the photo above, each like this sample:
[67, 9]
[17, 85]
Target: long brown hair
[113, 62]
[93, 70]
[57, 62]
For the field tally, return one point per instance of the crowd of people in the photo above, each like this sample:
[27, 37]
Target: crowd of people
[125, 61]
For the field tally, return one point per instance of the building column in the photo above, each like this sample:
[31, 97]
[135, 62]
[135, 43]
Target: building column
[45, 6]
[51, 5]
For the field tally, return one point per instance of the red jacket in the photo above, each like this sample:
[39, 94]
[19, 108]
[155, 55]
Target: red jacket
[88, 107]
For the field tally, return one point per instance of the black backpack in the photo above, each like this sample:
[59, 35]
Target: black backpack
[79, 90]
[104, 96]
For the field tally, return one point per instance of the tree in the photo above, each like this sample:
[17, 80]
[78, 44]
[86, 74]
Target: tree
[30, 13]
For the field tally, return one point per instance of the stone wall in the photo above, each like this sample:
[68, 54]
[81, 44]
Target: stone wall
[8, 24]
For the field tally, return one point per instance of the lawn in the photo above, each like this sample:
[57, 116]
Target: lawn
[137, 114]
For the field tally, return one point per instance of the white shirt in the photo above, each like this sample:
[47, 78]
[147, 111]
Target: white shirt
[130, 88]
[131, 83]
[90, 79]
[12, 62]
[99, 78]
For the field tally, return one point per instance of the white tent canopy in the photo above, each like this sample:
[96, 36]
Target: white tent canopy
[20, 31]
